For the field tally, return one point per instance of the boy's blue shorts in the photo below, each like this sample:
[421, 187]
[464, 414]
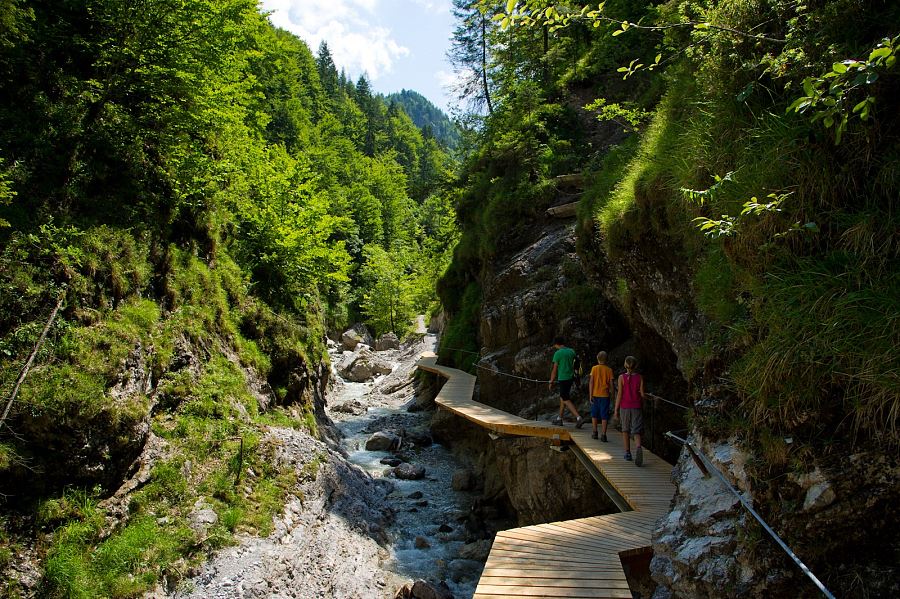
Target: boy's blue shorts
[600, 408]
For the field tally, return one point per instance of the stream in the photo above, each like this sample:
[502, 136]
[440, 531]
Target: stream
[429, 524]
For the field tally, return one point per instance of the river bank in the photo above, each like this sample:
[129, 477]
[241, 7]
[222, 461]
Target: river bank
[355, 527]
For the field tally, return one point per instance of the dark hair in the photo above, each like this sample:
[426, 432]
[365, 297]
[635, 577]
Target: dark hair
[559, 340]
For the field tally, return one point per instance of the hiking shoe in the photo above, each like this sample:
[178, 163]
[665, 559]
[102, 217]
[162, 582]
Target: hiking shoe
[594, 435]
[638, 456]
[557, 421]
[603, 438]
[628, 456]
[579, 422]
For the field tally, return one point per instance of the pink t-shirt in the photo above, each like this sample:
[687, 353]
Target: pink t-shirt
[631, 391]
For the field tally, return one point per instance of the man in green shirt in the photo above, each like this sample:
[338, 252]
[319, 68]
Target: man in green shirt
[564, 373]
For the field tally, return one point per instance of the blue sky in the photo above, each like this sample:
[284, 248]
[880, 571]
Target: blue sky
[398, 43]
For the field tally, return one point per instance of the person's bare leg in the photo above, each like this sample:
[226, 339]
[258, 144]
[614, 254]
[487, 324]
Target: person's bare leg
[603, 427]
[561, 408]
[626, 440]
[594, 423]
[572, 408]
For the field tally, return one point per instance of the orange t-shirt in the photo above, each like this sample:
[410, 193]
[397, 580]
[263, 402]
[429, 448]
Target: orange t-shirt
[601, 379]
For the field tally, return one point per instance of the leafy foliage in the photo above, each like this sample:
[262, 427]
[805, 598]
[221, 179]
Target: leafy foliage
[208, 195]
[709, 88]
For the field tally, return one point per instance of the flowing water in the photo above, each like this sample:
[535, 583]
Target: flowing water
[427, 510]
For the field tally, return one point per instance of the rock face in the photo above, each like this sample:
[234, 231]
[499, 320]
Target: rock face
[387, 341]
[523, 309]
[355, 335]
[99, 446]
[695, 552]
[362, 366]
[522, 475]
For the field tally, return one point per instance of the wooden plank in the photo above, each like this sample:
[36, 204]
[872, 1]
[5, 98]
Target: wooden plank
[575, 541]
[520, 591]
[564, 582]
[634, 530]
[538, 552]
[599, 572]
[555, 559]
[624, 538]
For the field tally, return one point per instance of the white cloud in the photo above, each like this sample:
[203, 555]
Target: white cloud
[347, 26]
[450, 80]
[434, 6]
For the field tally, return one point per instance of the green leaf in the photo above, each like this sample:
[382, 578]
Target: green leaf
[658, 58]
[808, 88]
[701, 26]
[889, 63]
[879, 53]
[510, 6]
[618, 32]
[745, 93]
[828, 121]
[622, 70]
[839, 67]
[861, 105]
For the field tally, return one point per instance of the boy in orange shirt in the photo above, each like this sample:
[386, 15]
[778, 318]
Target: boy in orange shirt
[601, 391]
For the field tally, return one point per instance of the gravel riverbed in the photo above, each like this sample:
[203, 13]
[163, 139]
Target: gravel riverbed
[353, 529]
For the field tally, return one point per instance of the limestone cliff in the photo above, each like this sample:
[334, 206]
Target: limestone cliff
[549, 277]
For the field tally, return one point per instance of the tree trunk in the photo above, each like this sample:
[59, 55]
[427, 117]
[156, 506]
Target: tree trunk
[484, 67]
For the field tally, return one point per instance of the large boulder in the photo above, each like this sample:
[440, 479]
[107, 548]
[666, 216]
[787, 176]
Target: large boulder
[463, 480]
[387, 341]
[355, 335]
[461, 570]
[425, 590]
[477, 551]
[382, 441]
[363, 366]
[407, 471]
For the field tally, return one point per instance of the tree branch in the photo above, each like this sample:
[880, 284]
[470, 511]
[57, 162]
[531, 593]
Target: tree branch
[37, 347]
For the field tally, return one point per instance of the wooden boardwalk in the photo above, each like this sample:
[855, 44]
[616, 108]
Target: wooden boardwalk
[577, 558]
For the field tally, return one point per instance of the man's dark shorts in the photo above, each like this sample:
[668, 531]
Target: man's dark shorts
[565, 389]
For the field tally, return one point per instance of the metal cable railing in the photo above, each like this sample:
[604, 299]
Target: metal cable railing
[706, 466]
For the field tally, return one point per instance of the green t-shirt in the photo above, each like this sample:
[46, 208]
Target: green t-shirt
[564, 358]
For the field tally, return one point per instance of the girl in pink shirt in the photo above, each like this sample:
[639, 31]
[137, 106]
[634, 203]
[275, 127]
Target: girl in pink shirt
[629, 400]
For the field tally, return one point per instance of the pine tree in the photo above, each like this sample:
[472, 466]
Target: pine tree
[470, 54]
[328, 74]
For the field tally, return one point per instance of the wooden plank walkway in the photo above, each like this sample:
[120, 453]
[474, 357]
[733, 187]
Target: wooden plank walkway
[576, 558]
